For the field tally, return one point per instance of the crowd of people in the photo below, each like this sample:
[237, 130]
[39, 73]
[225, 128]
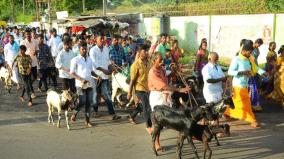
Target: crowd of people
[80, 61]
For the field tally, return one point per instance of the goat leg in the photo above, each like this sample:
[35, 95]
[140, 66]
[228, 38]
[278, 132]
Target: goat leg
[217, 141]
[207, 148]
[180, 142]
[189, 140]
[154, 135]
[59, 118]
[67, 120]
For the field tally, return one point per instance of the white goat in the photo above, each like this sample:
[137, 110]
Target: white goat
[119, 82]
[5, 76]
[61, 102]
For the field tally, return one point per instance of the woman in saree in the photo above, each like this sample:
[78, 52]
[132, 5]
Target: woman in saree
[201, 60]
[278, 93]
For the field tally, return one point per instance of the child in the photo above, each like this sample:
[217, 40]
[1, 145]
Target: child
[24, 64]
[168, 59]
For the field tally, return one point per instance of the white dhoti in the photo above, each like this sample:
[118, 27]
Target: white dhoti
[160, 98]
[15, 76]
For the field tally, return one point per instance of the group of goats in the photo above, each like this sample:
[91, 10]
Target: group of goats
[185, 120]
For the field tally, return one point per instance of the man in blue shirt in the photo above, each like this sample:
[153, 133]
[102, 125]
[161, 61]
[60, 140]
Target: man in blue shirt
[116, 53]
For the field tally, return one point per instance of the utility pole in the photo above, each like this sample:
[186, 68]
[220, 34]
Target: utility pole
[24, 7]
[13, 9]
[83, 1]
[49, 14]
[104, 7]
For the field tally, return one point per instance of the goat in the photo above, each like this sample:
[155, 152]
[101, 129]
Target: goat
[178, 120]
[5, 76]
[177, 97]
[62, 102]
[203, 133]
[119, 81]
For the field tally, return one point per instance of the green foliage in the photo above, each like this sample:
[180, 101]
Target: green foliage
[24, 18]
[148, 7]
[275, 5]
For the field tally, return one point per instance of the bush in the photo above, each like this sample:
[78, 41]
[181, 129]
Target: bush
[24, 18]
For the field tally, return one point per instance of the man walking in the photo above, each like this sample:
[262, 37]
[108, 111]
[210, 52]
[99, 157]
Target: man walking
[63, 61]
[101, 62]
[81, 70]
[213, 77]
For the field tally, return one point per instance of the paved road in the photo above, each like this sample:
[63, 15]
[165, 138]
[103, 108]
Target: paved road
[25, 134]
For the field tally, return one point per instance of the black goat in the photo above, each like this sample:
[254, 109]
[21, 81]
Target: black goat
[176, 96]
[181, 121]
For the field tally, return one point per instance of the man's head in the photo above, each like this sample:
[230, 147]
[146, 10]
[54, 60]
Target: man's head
[213, 57]
[53, 32]
[163, 38]
[40, 39]
[272, 46]
[123, 42]
[83, 49]
[23, 49]
[100, 41]
[67, 44]
[115, 40]
[258, 42]
[15, 30]
[28, 35]
[143, 52]
[158, 60]
[11, 39]
[247, 48]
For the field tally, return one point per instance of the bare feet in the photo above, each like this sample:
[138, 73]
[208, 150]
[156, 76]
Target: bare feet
[30, 104]
[22, 98]
[131, 120]
[33, 95]
[18, 87]
[73, 118]
[255, 124]
[88, 125]
[149, 130]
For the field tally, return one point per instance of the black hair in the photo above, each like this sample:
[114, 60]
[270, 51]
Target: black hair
[281, 49]
[65, 34]
[143, 47]
[248, 45]
[115, 36]
[202, 42]
[83, 44]
[259, 41]
[163, 34]
[23, 47]
[270, 44]
[66, 41]
[41, 36]
[11, 36]
[242, 42]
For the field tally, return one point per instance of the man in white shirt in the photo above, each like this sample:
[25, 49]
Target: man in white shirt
[213, 77]
[81, 68]
[63, 61]
[101, 61]
[18, 38]
[32, 50]
[54, 42]
[11, 50]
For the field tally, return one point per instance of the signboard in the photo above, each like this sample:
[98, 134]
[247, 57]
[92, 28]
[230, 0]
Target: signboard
[62, 15]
